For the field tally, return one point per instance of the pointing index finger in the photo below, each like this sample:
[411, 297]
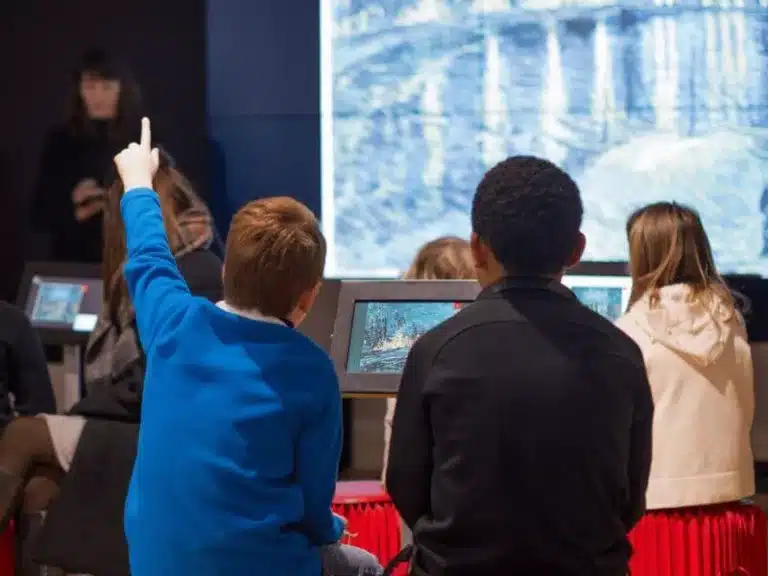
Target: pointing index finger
[146, 134]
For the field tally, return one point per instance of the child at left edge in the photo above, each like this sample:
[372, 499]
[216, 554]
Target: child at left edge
[241, 431]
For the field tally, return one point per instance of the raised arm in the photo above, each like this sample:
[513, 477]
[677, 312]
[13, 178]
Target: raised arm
[156, 287]
[158, 291]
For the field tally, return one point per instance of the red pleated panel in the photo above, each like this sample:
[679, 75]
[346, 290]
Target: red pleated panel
[373, 527]
[726, 540]
[7, 553]
[373, 522]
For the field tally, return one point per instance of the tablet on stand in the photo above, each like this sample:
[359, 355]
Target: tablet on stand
[63, 301]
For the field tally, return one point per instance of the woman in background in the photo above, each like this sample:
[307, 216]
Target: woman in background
[683, 317]
[77, 158]
[81, 463]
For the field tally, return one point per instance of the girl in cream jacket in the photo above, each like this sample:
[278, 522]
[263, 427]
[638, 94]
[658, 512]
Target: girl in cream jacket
[700, 371]
[683, 318]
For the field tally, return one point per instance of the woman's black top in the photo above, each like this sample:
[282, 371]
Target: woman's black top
[68, 158]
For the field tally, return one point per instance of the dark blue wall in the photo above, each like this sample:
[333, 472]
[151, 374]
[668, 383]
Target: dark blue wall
[264, 101]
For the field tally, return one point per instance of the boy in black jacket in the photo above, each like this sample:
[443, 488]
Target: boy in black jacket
[521, 441]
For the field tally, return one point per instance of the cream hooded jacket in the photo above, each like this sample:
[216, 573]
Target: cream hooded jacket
[700, 370]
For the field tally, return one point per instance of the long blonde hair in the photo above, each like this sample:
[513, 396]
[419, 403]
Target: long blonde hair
[668, 245]
[446, 258]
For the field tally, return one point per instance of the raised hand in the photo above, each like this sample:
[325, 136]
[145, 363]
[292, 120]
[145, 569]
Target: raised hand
[138, 163]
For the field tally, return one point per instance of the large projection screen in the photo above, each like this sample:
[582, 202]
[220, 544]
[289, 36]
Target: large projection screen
[640, 101]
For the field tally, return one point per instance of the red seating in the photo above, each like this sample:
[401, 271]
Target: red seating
[723, 540]
[7, 553]
[372, 519]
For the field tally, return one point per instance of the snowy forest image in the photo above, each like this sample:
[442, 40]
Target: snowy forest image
[640, 100]
[390, 329]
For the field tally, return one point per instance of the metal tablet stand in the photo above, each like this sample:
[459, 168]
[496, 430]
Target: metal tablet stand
[68, 377]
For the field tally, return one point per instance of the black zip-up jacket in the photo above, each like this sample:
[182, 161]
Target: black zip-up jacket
[521, 441]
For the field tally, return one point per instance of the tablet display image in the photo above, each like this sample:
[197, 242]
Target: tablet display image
[57, 303]
[605, 300]
[383, 332]
[606, 295]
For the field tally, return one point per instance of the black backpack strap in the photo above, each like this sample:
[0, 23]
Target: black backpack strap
[402, 557]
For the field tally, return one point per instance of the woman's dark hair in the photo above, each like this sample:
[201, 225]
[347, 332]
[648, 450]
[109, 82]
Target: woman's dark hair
[123, 128]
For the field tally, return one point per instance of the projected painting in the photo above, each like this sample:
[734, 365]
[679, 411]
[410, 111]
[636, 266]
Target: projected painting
[639, 100]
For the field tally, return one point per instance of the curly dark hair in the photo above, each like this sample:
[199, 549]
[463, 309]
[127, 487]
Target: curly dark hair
[528, 212]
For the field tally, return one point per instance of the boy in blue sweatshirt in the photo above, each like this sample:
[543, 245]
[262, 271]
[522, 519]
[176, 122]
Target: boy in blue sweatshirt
[241, 416]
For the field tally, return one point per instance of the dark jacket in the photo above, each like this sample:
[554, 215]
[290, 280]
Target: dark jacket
[83, 532]
[521, 441]
[67, 159]
[25, 385]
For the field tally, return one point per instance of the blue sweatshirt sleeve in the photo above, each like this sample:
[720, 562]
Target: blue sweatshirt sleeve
[317, 465]
[157, 289]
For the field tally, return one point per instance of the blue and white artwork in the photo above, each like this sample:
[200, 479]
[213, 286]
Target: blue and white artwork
[57, 303]
[606, 301]
[383, 332]
[640, 100]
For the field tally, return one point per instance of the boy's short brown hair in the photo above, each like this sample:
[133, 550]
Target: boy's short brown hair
[275, 253]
